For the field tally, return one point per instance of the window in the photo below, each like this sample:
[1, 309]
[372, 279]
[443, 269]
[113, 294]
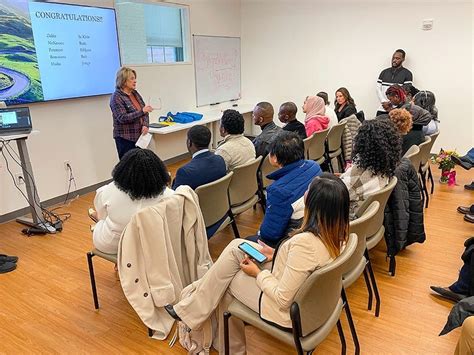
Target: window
[152, 33]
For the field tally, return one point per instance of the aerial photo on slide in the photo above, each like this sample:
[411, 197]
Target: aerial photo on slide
[19, 74]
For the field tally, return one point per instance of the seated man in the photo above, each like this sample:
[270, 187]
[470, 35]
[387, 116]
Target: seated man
[464, 286]
[287, 115]
[204, 166]
[285, 197]
[263, 116]
[234, 148]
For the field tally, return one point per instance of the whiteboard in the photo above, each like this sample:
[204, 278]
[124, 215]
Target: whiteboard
[216, 69]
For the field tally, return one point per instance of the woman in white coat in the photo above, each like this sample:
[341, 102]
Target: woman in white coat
[139, 180]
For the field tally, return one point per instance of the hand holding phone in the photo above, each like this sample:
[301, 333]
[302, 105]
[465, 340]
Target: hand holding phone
[252, 252]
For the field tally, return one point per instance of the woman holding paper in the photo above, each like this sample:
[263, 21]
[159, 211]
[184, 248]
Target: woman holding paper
[129, 111]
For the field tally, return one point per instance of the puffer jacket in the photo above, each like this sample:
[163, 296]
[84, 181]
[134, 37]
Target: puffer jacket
[403, 220]
[350, 131]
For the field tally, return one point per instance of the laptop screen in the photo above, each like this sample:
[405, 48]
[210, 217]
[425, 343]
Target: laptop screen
[15, 120]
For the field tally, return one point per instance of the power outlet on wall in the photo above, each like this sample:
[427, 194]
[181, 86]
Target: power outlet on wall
[19, 179]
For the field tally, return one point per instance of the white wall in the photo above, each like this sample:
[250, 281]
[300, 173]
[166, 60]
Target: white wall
[80, 130]
[292, 49]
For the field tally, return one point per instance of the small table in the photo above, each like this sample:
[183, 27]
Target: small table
[209, 117]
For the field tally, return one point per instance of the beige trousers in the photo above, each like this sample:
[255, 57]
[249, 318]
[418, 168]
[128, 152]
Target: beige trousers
[223, 283]
[466, 340]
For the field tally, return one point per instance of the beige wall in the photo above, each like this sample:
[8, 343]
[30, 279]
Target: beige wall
[80, 130]
[292, 49]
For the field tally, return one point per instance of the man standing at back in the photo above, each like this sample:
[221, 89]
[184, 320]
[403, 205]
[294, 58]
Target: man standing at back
[397, 74]
[205, 166]
[263, 116]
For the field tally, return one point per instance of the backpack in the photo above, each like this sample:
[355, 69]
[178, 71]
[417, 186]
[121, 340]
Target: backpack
[197, 341]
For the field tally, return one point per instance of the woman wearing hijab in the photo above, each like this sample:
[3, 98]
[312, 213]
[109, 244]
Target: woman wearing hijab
[315, 110]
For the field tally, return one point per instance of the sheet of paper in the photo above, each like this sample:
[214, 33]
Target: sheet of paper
[144, 141]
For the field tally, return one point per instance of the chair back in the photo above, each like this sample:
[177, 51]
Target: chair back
[359, 228]
[425, 149]
[316, 146]
[214, 199]
[266, 169]
[243, 185]
[413, 154]
[307, 142]
[335, 137]
[319, 295]
[433, 137]
[382, 197]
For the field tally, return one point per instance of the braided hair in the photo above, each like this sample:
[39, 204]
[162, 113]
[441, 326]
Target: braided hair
[396, 90]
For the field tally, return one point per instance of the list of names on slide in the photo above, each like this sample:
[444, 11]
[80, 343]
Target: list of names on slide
[76, 47]
[56, 50]
[85, 50]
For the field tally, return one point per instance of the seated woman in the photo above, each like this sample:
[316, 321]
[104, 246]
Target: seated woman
[271, 293]
[139, 180]
[375, 156]
[403, 121]
[315, 110]
[344, 104]
[427, 100]
[396, 96]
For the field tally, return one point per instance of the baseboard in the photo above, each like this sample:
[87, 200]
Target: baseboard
[59, 199]
[51, 202]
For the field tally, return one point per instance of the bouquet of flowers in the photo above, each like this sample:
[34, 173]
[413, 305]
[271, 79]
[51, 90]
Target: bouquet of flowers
[446, 164]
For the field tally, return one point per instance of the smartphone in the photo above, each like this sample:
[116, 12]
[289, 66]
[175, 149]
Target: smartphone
[252, 252]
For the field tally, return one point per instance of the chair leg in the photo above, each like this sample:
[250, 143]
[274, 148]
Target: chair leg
[234, 225]
[376, 289]
[92, 277]
[425, 189]
[392, 265]
[341, 336]
[369, 289]
[422, 192]
[351, 322]
[341, 163]
[226, 333]
[430, 176]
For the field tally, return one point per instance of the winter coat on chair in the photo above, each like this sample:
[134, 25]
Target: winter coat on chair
[403, 220]
[162, 250]
[348, 135]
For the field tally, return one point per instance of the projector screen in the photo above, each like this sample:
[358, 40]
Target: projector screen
[51, 51]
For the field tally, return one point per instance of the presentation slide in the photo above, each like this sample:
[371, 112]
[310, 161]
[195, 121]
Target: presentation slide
[51, 51]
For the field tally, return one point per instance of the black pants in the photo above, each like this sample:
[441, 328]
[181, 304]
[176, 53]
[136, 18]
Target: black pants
[123, 146]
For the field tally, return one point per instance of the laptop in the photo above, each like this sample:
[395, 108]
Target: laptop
[15, 120]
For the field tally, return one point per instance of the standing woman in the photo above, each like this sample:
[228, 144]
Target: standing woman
[129, 111]
[344, 104]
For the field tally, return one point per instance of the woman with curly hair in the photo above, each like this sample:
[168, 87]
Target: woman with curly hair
[404, 123]
[376, 154]
[139, 180]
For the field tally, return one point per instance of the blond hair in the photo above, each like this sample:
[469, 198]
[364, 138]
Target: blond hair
[123, 74]
[402, 120]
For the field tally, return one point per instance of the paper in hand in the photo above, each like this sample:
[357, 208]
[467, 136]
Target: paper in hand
[144, 141]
